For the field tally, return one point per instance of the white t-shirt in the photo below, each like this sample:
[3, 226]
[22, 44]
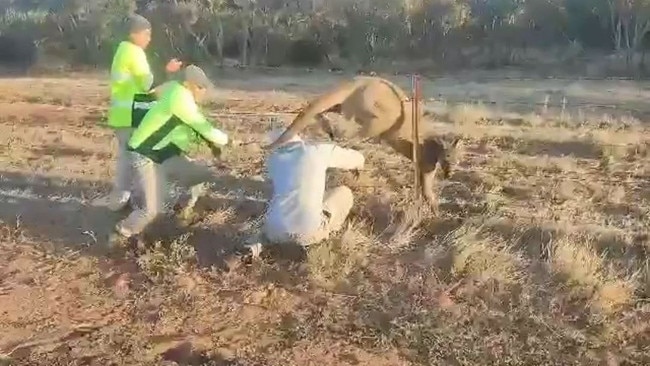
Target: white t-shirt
[298, 172]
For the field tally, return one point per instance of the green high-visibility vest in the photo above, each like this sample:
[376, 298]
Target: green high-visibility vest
[130, 75]
[173, 125]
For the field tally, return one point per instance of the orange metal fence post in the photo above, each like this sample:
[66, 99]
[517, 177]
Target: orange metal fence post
[415, 129]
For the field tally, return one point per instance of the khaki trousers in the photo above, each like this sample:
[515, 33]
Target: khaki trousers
[124, 165]
[153, 182]
[336, 208]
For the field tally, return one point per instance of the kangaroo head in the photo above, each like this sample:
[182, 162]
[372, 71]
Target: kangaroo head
[448, 156]
[438, 152]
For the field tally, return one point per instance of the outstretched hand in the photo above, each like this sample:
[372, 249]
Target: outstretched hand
[217, 152]
[173, 65]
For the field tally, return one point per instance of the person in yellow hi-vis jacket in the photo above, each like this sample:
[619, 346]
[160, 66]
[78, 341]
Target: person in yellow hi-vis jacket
[130, 75]
[170, 130]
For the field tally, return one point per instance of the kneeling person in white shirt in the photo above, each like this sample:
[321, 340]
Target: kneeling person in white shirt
[300, 210]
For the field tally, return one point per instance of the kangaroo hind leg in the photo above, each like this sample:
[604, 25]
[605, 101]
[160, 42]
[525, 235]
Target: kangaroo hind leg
[427, 181]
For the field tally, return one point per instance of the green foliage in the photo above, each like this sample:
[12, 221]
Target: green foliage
[279, 32]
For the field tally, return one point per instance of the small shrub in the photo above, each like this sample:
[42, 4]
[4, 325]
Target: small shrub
[305, 52]
[162, 260]
[17, 51]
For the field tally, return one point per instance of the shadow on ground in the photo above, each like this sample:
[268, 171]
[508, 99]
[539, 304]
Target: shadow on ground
[225, 225]
[68, 151]
[581, 149]
[56, 212]
[577, 148]
[463, 194]
[185, 354]
[52, 210]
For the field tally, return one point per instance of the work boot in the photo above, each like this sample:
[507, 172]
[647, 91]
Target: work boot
[133, 224]
[124, 231]
[254, 245]
[197, 191]
[186, 211]
[122, 238]
[115, 201]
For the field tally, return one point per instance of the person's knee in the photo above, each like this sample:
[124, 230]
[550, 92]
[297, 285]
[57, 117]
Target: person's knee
[338, 198]
[344, 195]
[346, 191]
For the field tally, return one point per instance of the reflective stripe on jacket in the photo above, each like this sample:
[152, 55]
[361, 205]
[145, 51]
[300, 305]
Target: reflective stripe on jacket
[174, 125]
[130, 75]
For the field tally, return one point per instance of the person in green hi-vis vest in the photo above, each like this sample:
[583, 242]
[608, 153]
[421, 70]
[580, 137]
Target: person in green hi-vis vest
[173, 128]
[130, 75]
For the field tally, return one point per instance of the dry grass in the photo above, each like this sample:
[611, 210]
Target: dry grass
[485, 259]
[470, 113]
[587, 275]
[537, 254]
[164, 260]
[404, 230]
[333, 263]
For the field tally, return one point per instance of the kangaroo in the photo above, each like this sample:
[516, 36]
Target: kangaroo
[383, 111]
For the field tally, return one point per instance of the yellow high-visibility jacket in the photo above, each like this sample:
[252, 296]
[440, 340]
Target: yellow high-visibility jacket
[130, 75]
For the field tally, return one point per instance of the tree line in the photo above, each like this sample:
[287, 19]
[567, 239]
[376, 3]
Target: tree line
[446, 34]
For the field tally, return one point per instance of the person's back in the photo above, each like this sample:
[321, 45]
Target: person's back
[173, 126]
[130, 75]
[299, 206]
[298, 172]
[147, 138]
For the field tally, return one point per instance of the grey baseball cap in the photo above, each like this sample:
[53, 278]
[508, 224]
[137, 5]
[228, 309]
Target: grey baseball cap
[195, 75]
[136, 23]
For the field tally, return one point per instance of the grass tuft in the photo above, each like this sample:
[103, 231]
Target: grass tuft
[165, 260]
[485, 258]
[333, 262]
[404, 229]
[575, 262]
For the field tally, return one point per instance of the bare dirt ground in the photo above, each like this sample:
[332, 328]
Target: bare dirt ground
[538, 256]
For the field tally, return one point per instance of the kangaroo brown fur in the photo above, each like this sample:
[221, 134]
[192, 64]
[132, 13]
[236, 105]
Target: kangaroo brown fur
[382, 110]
